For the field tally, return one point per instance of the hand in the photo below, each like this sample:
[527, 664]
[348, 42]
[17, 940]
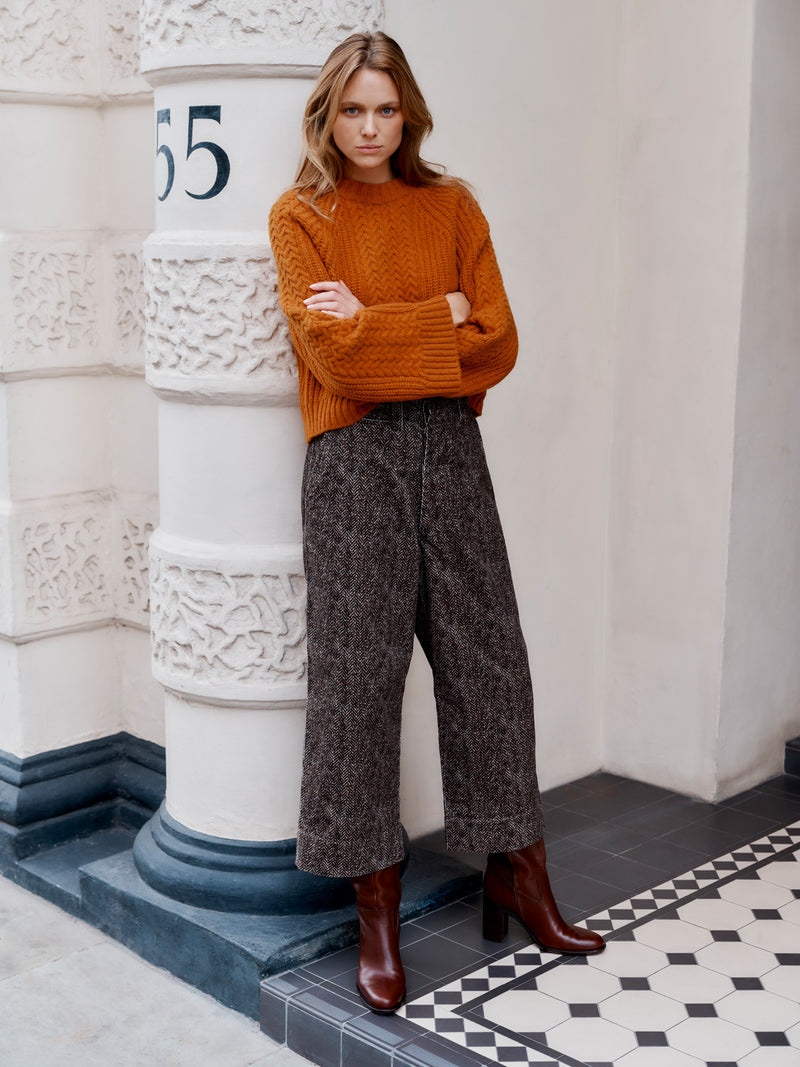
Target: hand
[333, 298]
[460, 307]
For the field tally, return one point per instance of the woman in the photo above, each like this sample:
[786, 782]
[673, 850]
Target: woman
[400, 324]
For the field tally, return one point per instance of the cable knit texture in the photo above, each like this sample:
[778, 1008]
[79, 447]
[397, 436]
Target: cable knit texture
[399, 249]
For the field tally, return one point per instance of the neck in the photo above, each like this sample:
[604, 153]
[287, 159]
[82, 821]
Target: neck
[369, 177]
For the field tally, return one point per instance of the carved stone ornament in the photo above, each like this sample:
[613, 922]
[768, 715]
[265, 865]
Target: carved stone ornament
[135, 523]
[70, 302]
[52, 47]
[45, 45]
[64, 555]
[213, 325]
[228, 630]
[126, 276]
[281, 33]
[52, 294]
[70, 562]
[119, 56]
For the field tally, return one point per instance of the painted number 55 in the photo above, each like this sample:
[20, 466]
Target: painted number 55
[223, 163]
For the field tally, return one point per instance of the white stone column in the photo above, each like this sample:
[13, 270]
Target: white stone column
[227, 586]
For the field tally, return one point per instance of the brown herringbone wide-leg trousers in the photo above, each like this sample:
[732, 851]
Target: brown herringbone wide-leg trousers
[401, 535]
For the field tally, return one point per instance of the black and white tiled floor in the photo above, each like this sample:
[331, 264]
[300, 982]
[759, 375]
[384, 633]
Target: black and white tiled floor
[700, 904]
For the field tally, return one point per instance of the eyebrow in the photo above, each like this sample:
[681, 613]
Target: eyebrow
[357, 103]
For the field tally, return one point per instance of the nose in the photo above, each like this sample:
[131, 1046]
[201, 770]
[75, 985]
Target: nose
[368, 125]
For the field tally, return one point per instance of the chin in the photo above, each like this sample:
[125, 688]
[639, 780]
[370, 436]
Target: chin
[368, 171]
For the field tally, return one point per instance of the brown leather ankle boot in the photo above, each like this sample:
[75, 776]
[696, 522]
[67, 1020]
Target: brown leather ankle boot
[381, 980]
[516, 883]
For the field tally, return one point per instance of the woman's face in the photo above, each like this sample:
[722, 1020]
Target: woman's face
[369, 126]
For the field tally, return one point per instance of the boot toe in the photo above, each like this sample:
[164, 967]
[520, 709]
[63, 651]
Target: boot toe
[382, 999]
[578, 942]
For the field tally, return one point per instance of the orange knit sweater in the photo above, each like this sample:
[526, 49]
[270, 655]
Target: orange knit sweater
[399, 249]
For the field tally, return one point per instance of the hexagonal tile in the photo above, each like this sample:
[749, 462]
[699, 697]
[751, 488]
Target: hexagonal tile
[794, 1036]
[772, 934]
[578, 985]
[672, 935]
[785, 873]
[712, 1039]
[628, 959]
[791, 912]
[759, 1010]
[715, 914]
[659, 1057]
[775, 1056]
[785, 981]
[692, 985]
[755, 893]
[641, 1009]
[591, 1039]
[736, 959]
[526, 1011]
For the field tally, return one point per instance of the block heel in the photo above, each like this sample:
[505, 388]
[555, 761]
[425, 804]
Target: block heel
[516, 884]
[495, 920]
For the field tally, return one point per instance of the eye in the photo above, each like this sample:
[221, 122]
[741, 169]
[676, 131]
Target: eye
[387, 111]
[350, 110]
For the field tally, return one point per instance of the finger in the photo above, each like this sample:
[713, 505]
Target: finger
[325, 285]
[315, 303]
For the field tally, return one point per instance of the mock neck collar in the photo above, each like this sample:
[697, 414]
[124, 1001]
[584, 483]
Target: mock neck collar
[373, 193]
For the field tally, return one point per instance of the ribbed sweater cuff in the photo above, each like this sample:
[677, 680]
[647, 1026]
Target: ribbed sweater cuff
[440, 362]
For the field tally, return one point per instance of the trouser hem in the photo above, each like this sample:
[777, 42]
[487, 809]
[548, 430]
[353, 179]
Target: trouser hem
[346, 859]
[499, 834]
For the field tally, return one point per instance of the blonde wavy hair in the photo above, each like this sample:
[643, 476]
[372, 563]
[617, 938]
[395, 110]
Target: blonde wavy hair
[322, 164]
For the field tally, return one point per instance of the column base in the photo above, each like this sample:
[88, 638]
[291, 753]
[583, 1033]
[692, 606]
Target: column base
[227, 875]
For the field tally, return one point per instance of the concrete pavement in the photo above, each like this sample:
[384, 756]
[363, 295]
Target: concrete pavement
[72, 997]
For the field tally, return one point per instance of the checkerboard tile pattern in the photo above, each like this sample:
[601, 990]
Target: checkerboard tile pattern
[703, 969]
[609, 839]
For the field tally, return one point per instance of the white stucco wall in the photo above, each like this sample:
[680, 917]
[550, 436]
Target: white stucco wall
[760, 697]
[53, 178]
[683, 172]
[523, 98]
[702, 683]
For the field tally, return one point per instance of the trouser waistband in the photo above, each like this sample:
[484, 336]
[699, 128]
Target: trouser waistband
[421, 410]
